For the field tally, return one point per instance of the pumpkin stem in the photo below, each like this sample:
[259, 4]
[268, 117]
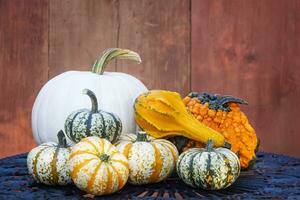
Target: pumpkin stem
[62, 142]
[93, 99]
[141, 137]
[210, 145]
[238, 154]
[104, 157]
[227, 145]
[110, 54]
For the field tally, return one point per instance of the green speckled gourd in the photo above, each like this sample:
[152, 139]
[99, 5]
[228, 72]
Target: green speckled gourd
[84, 122]
[47, 163]
[209, 168]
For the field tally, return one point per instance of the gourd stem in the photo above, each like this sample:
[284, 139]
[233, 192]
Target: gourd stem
[227, 145]
[62, 142]
[110, 54]
[238, 154]
[228, 99]
[141, 137]
[104, 157]
[93, 99]
[209, 145]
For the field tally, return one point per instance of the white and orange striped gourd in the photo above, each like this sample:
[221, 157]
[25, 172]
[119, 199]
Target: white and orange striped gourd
[150, 160]
[97, 167]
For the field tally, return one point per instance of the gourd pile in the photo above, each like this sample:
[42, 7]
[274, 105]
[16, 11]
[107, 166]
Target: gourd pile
[103, 148]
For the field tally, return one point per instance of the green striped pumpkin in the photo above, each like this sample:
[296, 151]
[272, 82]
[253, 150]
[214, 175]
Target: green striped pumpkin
[84, 123]
[209, 168]
[47, 163]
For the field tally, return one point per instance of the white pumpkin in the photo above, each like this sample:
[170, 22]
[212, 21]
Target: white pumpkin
[60, 96]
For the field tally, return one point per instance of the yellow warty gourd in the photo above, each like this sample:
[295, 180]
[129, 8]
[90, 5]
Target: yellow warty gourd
[162, 114]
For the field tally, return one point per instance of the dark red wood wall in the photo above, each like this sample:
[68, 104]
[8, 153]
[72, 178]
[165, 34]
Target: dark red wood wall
[250, 49]
[23, 69]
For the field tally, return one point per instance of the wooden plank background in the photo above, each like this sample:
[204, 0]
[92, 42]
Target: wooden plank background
[250, 49]
[23, 69]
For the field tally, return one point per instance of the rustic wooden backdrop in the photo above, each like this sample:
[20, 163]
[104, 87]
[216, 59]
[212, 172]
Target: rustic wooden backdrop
[249, 48]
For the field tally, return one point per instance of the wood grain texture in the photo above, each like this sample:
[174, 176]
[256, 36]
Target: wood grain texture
[245, 48]
[160, 32]
[78, 33]
[251, 49]
[23, 69]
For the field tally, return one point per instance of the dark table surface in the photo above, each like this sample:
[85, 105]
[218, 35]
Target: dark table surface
[273, 177]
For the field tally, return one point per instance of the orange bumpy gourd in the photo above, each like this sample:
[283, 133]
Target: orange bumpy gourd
[223, 114]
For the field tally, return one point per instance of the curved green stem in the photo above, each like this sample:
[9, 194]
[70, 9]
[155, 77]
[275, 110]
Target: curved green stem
[93, 99]
[110, 54]
[62, 142]
[227, 99]
[141, 137]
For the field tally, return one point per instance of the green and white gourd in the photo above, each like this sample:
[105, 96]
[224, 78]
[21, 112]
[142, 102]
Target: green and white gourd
[47, 163]
[84, 123]
[210, 169]
[150, 160]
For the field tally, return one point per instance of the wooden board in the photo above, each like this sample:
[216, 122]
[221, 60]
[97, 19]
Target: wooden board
[251, 49]
[246, 48]
[160, 32]
[78, 33]
[23, 69]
